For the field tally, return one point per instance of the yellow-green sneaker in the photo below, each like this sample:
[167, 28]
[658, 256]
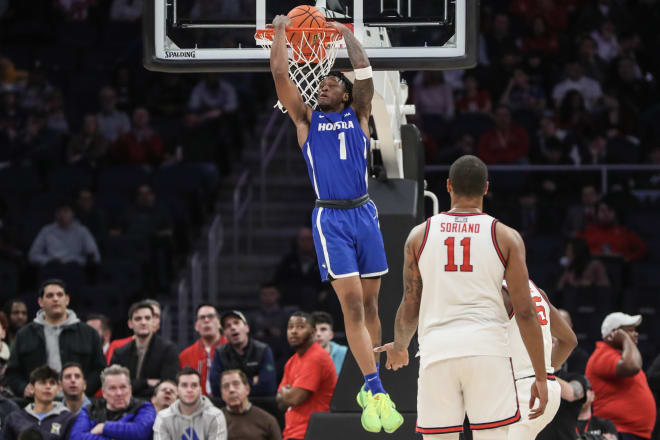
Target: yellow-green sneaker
[362, 396]
[370, 415]
[390, 418]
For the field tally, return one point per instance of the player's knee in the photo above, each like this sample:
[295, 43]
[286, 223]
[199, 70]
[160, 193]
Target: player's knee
[352, 307]
[371, 308]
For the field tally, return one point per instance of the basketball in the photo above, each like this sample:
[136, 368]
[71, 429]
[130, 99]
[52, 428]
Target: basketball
[306, 16]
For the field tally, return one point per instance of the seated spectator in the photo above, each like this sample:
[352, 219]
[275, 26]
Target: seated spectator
[191, 415]
[580, 270]
[433, 96]
[55, 338]
[465, 144]
[506, 143]
[37, 144]
[521, 94]
[540, 40]
[148, 357]
[72, 382]
[118, 415]
[101, 324]
[324, 335]
[56, 119]
[580, 215]
[199, 355]
[500, 39]
[474, 99]
[90, 215]
[575, 80]
[141, 145]
[165, 394]
[309, 378]
[126, 10]
[64, 241]
[87, 147]
[607, 237]
[297, 274]
[270, 319]
[615, 371]
[51, 418]
[587, 423]
[7, 406]
[244, 420]
[17, 313]
[592, 65]
[37, 90]
[155, 322]
[213, 97]
[112, 123]
[245, 353]
[606, 41]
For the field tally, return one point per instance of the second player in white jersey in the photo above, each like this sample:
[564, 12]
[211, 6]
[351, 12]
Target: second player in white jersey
[551, 325]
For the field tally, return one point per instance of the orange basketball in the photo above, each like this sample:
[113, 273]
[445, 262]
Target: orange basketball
[306, 16]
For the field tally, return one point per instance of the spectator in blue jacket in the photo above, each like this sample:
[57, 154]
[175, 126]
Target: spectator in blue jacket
[244, 353]
[118, 415]
[51, 418]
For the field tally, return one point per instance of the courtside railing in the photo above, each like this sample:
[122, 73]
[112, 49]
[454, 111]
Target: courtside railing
[267, 149]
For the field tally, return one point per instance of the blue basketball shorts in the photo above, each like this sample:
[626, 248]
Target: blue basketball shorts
[349, 242]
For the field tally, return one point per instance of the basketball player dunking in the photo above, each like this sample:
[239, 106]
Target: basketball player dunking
[335, 144]
[454, 266]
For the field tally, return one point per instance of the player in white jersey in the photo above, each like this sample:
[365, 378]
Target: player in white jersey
[454, 266]
[552, 327]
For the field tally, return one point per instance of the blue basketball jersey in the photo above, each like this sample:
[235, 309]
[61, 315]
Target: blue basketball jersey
[336, 152]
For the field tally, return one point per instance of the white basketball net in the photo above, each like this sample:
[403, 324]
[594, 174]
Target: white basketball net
[310, 59]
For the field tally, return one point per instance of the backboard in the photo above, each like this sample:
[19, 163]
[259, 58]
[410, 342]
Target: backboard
[218, 35]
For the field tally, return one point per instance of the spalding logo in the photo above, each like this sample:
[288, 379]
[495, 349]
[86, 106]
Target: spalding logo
[180, 54]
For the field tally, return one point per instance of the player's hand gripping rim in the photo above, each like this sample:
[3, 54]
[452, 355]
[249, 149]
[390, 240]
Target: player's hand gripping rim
[539, 391]
[397, 357]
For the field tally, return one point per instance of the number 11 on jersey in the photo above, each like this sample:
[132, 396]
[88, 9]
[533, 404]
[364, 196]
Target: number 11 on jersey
[451, 266]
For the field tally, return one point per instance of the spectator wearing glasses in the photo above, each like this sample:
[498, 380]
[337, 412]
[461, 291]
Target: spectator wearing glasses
[199, 355]
[164, 395]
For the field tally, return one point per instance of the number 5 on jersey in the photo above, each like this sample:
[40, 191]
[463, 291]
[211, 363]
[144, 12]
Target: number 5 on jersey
[451, 266]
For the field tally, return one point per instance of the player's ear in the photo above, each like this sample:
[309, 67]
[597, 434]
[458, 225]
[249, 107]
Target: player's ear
[449, 188]
[486, 189]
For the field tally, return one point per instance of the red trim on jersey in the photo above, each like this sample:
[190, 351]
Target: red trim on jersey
[446, 430]
[497, 247]
[545, 297]
[508, 421]
[551, 377]
[463, 214]
[426, 235]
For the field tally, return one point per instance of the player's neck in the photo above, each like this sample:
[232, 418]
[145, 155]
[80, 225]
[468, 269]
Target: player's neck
[328, 109]
[461, 204]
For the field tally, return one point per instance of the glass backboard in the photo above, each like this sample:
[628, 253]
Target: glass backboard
[218, 35]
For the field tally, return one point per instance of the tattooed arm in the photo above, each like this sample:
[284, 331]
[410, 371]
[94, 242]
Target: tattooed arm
[405, 323]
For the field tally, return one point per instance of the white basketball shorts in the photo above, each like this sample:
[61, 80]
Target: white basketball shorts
[528, 429]
[481, 386]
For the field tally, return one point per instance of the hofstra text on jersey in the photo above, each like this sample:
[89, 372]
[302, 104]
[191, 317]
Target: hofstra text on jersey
[330, 126]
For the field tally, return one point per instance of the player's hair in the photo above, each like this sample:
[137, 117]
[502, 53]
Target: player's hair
[348, 85]
[43, 373]
[188, 371]
[468, 176]
[309, 318]
[240, 373]
[137, 306]
[153, 303]
[323, 318]
[206, 305]
[49, 282]
[115, 370]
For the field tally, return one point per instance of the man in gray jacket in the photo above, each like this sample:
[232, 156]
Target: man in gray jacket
[192, 415]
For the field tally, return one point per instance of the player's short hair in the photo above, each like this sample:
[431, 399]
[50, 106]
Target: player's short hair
[115, 370]
[72, 365]
[43, 373]
[51, 282]
[323, 318]
[197, 309]
[309, 318]
[468, 176]
[137, 306]
[348, 85]
[104, 320]
[240, 373]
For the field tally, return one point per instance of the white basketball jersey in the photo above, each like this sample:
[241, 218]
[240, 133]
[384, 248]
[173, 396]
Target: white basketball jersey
[462, 312]
[522, 364]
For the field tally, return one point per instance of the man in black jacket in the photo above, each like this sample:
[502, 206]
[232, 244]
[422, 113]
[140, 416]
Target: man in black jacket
[52, 419]
[54, 338]
[149, 357]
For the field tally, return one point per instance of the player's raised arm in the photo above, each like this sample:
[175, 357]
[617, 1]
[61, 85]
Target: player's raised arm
[363, 87]
[517, 280]
[287, 92]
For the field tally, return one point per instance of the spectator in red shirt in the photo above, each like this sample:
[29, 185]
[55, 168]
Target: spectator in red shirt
[607, 237]
[141, 145]
[506, 143]
[615, 371]
[199, 355]
[474, 99]
[309, 378]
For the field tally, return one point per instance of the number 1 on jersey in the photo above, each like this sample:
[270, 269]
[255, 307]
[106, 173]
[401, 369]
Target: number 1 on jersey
[451, 266]
[342, 145]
